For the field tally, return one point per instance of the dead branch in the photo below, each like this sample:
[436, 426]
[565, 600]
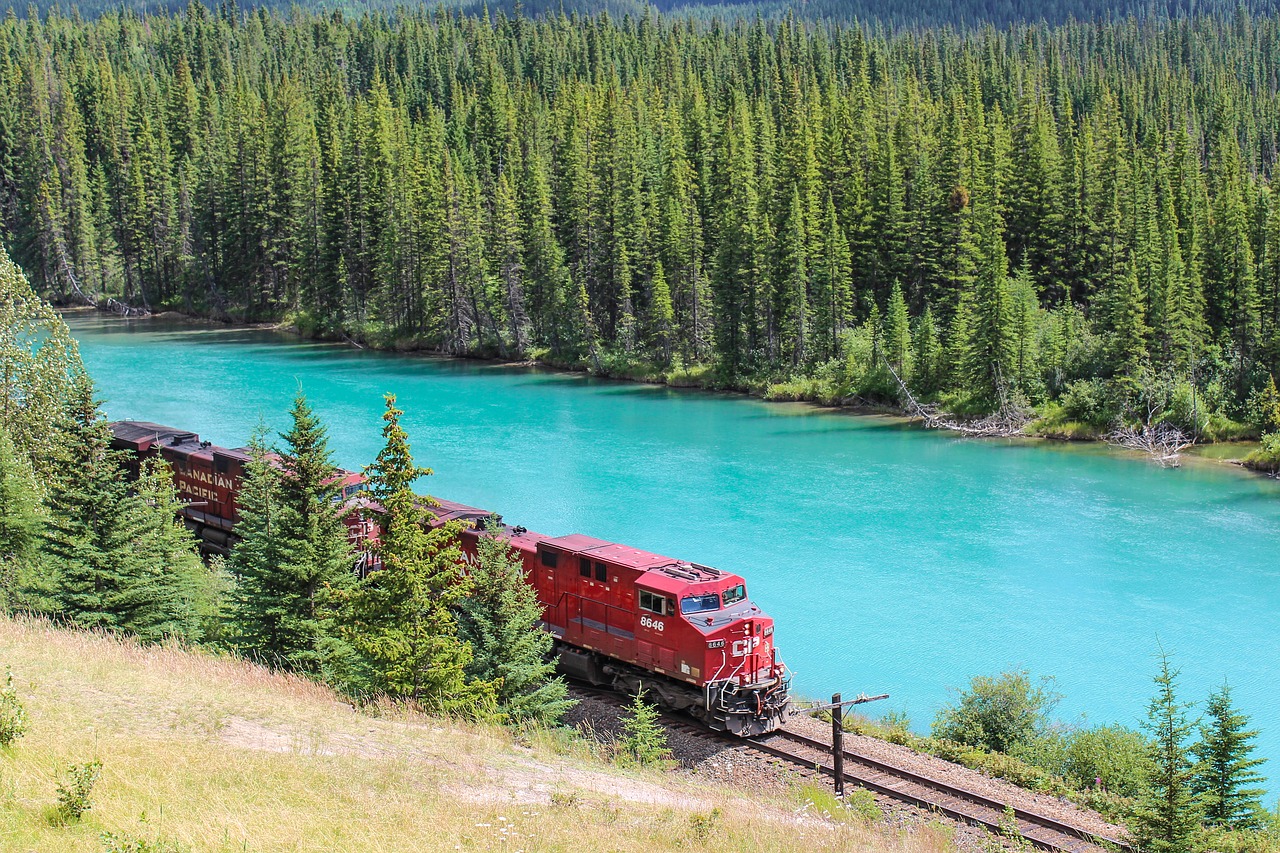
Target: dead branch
[1007, 421]
[1163, 442]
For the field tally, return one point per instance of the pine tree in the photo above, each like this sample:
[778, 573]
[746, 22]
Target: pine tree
[20, 522]
[296, 551]
[662, 314]
[399, 618]
[1168, 813]
[180, 588]
[500, 618]
[792, 300]
[260, 605]
[643, 740]
[986, 321]
[927, 350]
[896, 338]
[114, 563]
[1127, 324]
[1225, 776]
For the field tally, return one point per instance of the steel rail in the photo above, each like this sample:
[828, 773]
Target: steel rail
[954, 801]
[896, 782]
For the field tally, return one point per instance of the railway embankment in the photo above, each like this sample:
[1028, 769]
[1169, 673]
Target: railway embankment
[210, 753]
[891, 785]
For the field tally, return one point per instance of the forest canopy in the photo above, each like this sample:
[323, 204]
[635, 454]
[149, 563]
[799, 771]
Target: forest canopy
[1069, 215]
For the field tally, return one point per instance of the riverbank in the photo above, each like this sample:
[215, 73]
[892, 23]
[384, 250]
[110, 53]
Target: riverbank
[1050, 425]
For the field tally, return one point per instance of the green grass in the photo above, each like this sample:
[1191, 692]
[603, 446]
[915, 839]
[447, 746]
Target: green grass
[201, 753]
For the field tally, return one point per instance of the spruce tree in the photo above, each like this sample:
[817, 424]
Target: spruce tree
[897, 333]
[259, 606]
[20, 522]
[643, 740]
[1169, 813]
[172, 576]
[399, 618]
[116, 561]
[1225, 776]
[297, 551]
[500, 618]
[984, 319]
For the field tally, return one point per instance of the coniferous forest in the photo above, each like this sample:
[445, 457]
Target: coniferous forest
[1074, 219]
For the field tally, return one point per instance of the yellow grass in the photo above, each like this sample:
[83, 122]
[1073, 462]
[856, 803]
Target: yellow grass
[210, 753]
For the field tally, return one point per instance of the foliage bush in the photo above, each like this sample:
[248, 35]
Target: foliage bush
[76, 790]
[859, 805]
[1089, 401]
[13, 717]
[998, 765]
[1263, 407]
[1187, 410]
[997, 714]
[116, 843]
[1115, 758]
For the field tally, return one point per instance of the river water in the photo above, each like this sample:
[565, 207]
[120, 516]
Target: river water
[895, 560]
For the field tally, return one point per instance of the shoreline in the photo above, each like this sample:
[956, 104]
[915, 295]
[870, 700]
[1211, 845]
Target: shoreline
[1195, 455]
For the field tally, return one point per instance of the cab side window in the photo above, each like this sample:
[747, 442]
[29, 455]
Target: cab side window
[602, 572]
[654, 603]
[584, 567]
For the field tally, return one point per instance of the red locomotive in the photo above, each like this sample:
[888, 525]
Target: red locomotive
[622, 618]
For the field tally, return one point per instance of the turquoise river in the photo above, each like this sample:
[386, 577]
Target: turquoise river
[895, 560]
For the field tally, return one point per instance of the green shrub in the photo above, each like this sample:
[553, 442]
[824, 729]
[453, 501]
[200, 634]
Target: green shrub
[1090, 401]
[114, 843]
[997, 714]
[702, 825]
[1187, 410]
[1047, 750]
[859, 805]
[13, 717]
[76, 790]
[1115, 758]
[1263, 407]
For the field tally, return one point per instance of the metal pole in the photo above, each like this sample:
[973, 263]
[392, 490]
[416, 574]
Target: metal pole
[837, 743]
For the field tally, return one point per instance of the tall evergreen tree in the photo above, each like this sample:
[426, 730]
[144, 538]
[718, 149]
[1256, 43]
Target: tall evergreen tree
[499, 618]
[20, 521]
[1226, 779]
[117, 561]
[293, 552]
[1169, 813]
[399, 618]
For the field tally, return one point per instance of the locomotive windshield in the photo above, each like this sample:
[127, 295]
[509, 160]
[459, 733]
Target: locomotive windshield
[700, 603]
[734, 594]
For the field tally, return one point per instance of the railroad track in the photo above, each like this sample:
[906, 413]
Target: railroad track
[936, 794]
[812, 756]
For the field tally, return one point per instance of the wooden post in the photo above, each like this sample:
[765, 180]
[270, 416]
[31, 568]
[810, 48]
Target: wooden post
[837, 743]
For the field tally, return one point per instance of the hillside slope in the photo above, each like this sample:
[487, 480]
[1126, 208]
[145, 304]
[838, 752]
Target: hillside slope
[204, 753]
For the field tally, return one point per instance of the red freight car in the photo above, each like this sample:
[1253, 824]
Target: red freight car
[623, 618]
[207, 479]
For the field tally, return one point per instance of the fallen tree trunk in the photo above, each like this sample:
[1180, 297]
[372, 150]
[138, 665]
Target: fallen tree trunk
[1007, 422]
[1163, 442]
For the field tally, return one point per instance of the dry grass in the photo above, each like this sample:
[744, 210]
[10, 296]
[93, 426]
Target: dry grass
[209, 753]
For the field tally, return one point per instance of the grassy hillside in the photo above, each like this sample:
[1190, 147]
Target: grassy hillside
[203, 753]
